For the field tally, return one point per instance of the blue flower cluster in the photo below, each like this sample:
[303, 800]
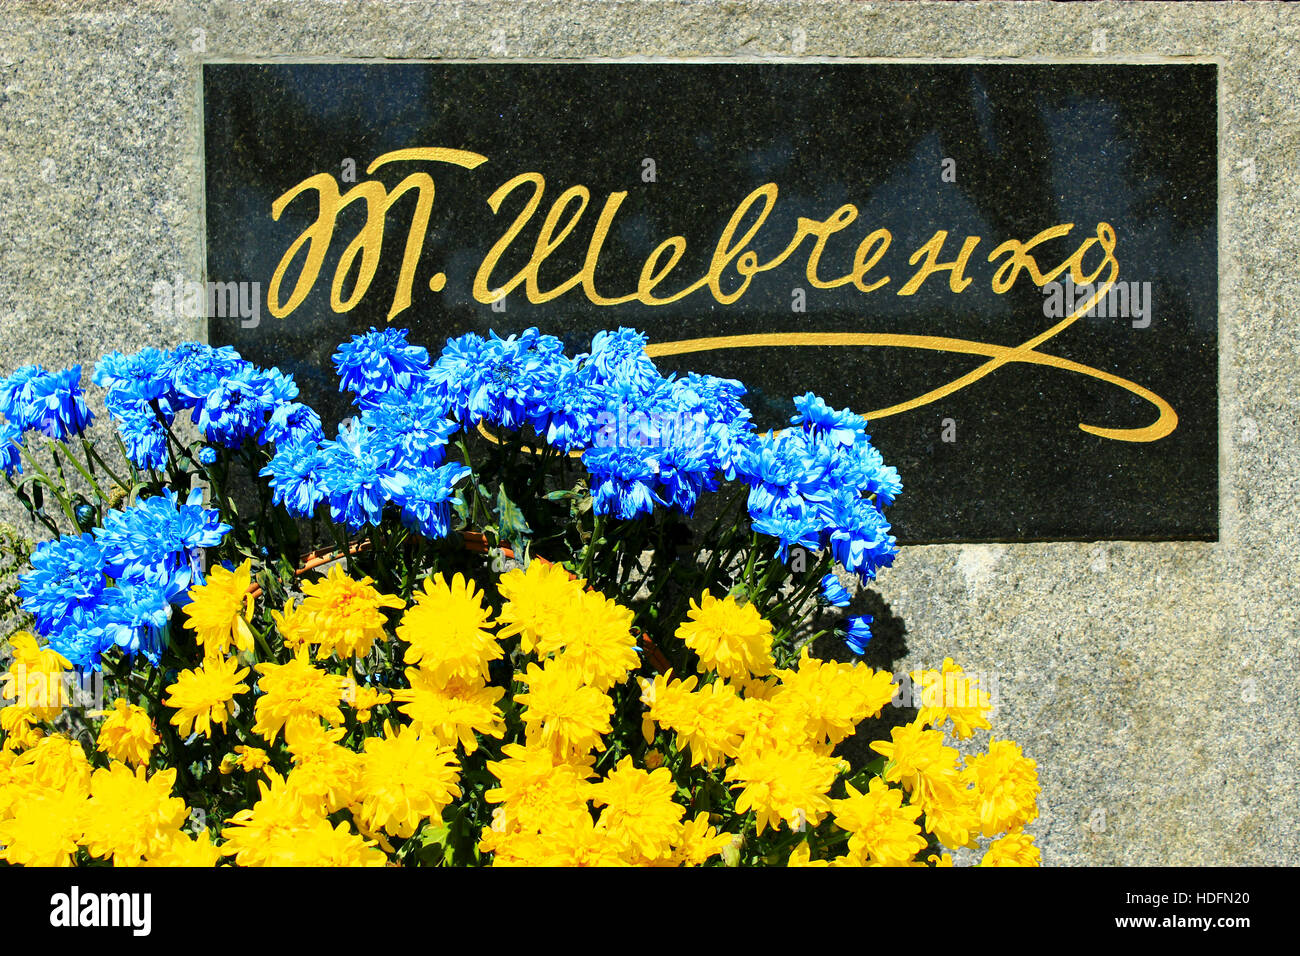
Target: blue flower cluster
[33, 399]
[646, 439]
[650, 440]
[823, 484]
[229, 399]
[117, 587]
[394, 450]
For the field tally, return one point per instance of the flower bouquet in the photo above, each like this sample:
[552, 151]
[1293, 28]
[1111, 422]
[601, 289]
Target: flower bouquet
[524, 608]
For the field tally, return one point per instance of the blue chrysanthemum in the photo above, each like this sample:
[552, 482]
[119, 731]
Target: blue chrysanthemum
[859, 535]
[143, 434]
[136, 618]
[379, 361]
[840, 427]
[507, 387]
[66, 574]
[235, 409]
[415, 425]
[833, 592]
[139, 377]
[57, 408]
[569, 403]
[16, 394]
[426, 502]
[620, 356]
[358, 476]
[160, 542]
[293, 423]
[857, 633]
[195, 369]
[294, 474]
[82, 639]
[622, 480]
[451, 376]
[10, 455]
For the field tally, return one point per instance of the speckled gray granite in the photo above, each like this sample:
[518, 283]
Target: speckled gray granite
[1156, 684]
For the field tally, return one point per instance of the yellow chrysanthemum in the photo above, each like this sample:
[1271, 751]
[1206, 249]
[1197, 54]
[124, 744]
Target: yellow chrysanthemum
[446, 630]
[20, 726]
[130, 815]
[1006, 785]
[576, 844]
[326, 776]
[830, 699]
[323, 845]
[34, 681]
[1015, 849]
[801, 856]
[950, 695]
[639, 810]
[918, 759]
[536, 790]
[127, 734]
[343, 615]
[563, 714]
[699, 842]
[294, 626]
[783, 783]
[710, 721]
[56, 764]
[254, 834]
[276, 831]
[247, 759]
[182, 850]
[952, 815]
[405, 780]
[43, 831]
[295, 697]
[594, 635]
[729, 638]
[363, 699]
[454, 712]
[205, 695]
[537, 600]
[220, 609]
[884, 829]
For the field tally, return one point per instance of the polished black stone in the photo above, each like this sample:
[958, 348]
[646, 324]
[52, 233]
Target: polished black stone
[999, 152]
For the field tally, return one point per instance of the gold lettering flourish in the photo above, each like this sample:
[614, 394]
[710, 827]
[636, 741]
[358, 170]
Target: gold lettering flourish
[997, 355]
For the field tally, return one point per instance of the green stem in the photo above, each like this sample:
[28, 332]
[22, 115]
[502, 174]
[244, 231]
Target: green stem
[86, 474]
[45, 479]
[91, 454]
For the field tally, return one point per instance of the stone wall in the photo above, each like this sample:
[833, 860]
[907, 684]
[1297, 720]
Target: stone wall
[1155, 683]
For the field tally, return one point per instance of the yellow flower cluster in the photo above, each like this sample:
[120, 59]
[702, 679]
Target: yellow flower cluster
[548, 784]
[34, 684]
[740, 749]
[52, 803]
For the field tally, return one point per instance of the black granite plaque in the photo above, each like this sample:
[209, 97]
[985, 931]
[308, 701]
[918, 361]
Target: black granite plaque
[1011, 269]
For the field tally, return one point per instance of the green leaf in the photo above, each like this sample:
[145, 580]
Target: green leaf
[514, 528]
[435, 836]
